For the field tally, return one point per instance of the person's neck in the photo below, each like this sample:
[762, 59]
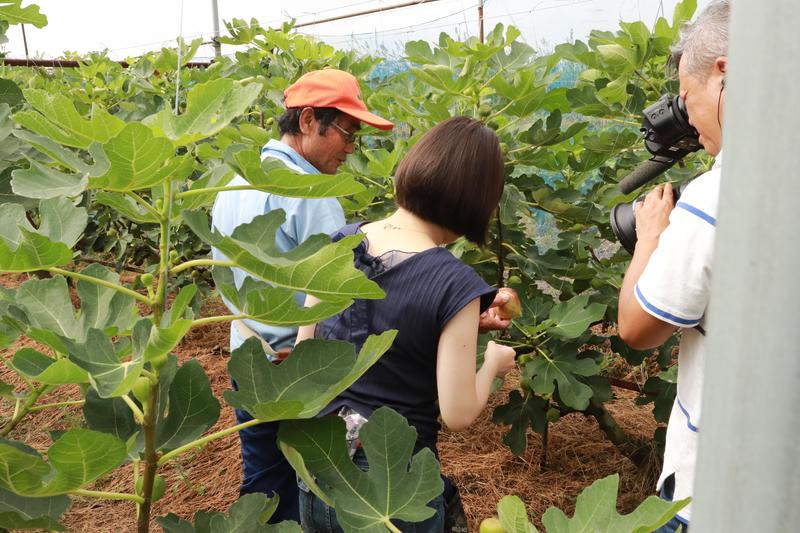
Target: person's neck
[293, 142]
[404, 220]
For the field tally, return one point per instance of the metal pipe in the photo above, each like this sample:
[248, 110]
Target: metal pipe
[480, 19]
[215, 41]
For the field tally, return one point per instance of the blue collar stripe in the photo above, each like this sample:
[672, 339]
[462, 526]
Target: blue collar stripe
[693, 210]
[664, 314]
[686, 414]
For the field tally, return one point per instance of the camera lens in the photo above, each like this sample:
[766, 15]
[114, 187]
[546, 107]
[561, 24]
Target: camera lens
[623, 220]
[623, 223]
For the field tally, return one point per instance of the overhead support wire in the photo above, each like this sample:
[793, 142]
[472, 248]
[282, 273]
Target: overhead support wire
[64, 63]
[365, 12]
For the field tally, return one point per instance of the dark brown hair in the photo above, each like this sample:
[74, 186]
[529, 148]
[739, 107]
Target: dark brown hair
[453, 177]
[289, 121]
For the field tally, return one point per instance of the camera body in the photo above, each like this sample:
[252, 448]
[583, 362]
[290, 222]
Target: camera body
[669, 137]
[666, 130]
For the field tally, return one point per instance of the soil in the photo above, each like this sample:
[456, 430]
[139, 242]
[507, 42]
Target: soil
[480, 464]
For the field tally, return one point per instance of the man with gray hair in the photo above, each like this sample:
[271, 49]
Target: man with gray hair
[666, 286]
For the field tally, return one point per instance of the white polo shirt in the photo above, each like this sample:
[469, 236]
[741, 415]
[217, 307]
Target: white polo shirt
[674, 287]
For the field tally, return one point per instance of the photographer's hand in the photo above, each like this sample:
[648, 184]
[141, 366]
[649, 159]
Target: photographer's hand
[652, 213]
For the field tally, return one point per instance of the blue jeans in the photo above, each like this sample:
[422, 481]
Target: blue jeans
[666, 493]
[317, 517]
[265, 468]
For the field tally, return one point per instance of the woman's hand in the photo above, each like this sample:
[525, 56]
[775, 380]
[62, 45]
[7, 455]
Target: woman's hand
[501, 358]
[489, 320]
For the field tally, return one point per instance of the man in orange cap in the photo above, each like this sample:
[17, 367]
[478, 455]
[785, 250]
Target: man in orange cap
[324, 109]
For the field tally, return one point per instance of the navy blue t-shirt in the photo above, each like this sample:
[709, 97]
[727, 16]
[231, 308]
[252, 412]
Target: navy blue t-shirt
[423, 292]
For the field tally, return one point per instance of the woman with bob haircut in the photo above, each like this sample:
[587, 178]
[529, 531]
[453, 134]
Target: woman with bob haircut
[447, 186]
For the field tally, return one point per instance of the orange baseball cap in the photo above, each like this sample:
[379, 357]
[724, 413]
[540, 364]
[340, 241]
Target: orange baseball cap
[332, 88]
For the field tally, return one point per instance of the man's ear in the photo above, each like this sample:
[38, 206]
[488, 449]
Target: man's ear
[721, 65]
[306, 120]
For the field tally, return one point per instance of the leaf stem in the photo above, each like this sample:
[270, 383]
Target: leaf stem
[103, 283]
[544, 354]
[215, 319]
[199, 443]
[22, 409]
[141, 201]
[391, 527]
[44, 406]
[209, 190]
[647, 81]
[137, 413]
[201, 262]
[108, 495]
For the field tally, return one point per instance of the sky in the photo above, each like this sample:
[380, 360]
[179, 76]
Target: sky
[126, 31]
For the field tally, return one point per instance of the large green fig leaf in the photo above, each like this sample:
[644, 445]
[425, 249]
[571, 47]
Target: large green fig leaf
[111, 371]
[153, 342]
[272, 305]
[25, 249]
[316, 267]
[62, 221]
[55, 116]
[218, 176]
[396, 487]
[109, 415]
[39, 367]
[45, 305]
[210, 107]
[192, 408]
[78, 457]
[126, 207]
[20, 512]
[12, 12]
[572, 318]
[313, 375]
[140, 160]
[248, 514]
[513, 515]
[103, 307]
[520, 413]
[561, 367]
[66, 157]
[44, 308]
[596, 510]
[41, 181]
[272, 175]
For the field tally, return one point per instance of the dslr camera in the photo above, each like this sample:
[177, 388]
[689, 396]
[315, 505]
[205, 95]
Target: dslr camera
[669, 137]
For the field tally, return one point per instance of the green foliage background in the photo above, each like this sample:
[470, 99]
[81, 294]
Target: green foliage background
[101, 162]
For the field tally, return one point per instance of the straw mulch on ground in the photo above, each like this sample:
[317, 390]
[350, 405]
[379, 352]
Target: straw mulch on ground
[482, 467]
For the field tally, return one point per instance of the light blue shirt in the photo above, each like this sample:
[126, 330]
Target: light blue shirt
[304, 217]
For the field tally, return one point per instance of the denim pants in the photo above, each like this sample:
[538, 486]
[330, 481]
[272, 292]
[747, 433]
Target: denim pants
[265, 468]
[674, 525]
[317, 517]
